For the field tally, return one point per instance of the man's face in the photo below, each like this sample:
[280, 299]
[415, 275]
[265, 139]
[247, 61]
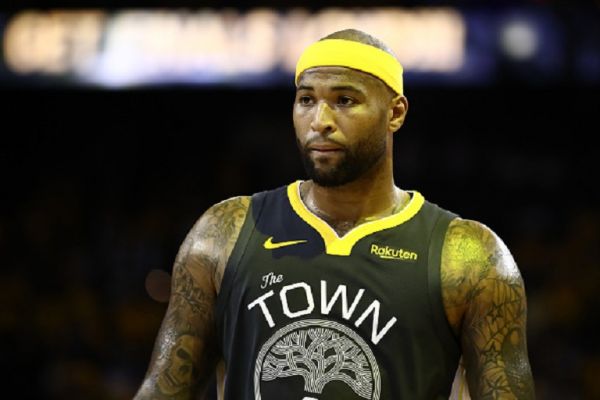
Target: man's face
[341, 120]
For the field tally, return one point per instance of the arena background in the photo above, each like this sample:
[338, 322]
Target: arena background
[100, 185]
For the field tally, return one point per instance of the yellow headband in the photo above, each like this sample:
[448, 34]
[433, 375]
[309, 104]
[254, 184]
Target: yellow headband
[347, 53]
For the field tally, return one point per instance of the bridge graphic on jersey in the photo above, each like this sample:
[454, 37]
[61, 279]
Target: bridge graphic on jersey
[320, 352]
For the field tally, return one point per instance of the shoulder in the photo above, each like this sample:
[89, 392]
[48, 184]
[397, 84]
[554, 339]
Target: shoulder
[472, 247]
[226, 212]
[212, 238]
[221, 223]
[218, 223]
[475, 265]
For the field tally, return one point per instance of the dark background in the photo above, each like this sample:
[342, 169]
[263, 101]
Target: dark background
[100, 187]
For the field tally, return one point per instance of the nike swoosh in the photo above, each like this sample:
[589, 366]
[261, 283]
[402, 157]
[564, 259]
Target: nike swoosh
[269, 245]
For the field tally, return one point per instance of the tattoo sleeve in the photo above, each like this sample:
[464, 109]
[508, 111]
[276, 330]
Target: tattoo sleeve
[484, 297]
[185, 356]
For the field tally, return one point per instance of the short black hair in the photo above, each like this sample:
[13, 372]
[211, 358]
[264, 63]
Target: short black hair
[361, 37]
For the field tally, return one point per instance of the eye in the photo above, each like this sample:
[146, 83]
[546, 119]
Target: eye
[305, 100]
[346, 101]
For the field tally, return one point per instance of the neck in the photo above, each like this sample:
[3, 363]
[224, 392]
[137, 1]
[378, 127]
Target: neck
[372, 196]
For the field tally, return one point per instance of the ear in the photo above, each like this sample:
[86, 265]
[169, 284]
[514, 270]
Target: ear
[397, 113]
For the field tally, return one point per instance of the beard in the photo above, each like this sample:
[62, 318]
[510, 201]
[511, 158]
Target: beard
[354, 163]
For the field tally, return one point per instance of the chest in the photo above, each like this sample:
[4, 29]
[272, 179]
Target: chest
[380, 285]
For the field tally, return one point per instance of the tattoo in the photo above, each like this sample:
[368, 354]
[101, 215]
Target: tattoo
[222, 227]
[190, 294]
[485, 302]
[187, 298]
[185, 355]
[180, 368]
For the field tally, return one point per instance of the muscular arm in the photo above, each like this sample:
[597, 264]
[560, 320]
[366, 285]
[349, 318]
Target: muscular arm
[485, 302]
[184, 356]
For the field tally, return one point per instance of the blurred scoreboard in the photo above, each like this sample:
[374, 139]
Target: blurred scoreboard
[259, 47]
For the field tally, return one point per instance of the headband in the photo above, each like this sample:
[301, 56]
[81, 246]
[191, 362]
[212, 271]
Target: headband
[355, 55]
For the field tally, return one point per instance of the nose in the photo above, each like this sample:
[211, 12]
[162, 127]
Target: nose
[323, 121]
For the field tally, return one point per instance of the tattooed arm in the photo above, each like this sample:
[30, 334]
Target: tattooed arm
[485, 302]
[184, 356]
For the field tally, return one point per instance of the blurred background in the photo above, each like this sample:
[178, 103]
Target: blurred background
[121, 125]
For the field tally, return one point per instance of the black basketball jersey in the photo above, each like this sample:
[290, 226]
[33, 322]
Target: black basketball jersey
[305, 314]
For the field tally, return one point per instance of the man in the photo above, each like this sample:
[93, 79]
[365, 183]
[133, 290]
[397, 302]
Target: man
[343, 286]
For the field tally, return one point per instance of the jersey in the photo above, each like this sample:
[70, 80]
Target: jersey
[306, 314]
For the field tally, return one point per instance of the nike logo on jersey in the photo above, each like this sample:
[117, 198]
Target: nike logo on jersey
[269, 245]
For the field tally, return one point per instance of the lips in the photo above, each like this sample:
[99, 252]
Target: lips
[325, 147]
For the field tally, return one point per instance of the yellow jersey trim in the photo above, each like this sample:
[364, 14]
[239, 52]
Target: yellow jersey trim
[342, 246]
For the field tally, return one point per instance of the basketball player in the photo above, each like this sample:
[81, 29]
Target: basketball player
[343, 286]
